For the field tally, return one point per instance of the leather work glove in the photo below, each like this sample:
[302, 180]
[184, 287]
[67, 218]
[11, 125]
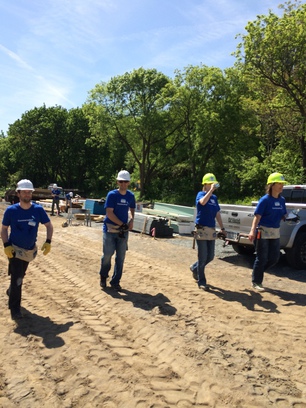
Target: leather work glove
[46, 248]
[9, 250]
[123, 228]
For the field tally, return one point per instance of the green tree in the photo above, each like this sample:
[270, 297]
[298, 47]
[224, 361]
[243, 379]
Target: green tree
[76, 157]
[217, 122]
[34, 142]
[274, 51]
[4, 161]
[49, 145]
[134, 112]
[108, 153]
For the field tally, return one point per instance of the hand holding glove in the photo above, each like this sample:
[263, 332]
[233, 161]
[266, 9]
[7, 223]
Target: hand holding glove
[124, 227]
[9, 250]
[46, 248]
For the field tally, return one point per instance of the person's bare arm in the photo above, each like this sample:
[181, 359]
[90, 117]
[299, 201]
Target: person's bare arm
[220, 222]
[49, 228]
[255, 222]
[207, 196]
[132, 211]
[112, 216]
[4, 234]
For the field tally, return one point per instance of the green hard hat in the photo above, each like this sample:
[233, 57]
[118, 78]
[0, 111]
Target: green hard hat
[276, 178]
[209, 178]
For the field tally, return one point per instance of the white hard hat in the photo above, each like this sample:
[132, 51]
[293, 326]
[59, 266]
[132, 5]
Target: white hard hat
[54, 185]
[123, 175]
[71, 194]
[24, 184]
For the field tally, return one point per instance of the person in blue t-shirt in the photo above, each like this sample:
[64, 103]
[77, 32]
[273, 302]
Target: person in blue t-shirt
[56, 192]
[208, 211]
[120, 210]
[265, 230]
[68, 199]
[23, 219]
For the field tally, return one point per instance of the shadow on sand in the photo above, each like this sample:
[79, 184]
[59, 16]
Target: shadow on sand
[247, 298]
[44, 327]
[144, 301]
[281, 269]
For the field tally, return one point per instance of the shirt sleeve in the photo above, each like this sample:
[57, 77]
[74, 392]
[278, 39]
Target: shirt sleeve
[261, 206]
[44, 218]
[7, 218]
[110, 200]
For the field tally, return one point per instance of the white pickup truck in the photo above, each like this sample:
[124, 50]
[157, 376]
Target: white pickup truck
[237, 220]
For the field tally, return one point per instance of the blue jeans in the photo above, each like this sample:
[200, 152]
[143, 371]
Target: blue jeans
[206, 253]
[111, 243]
[267, 255]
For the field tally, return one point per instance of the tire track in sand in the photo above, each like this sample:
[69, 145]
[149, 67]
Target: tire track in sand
[158, 349]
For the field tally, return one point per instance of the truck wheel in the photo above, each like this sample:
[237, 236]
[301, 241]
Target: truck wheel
[296, 256]
[243, 249]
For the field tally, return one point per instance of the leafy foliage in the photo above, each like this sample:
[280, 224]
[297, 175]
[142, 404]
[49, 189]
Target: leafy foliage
[48, 145]
[274, 54]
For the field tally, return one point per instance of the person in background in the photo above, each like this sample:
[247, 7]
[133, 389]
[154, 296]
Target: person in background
[120, 204]
[68, 198]
[265, 230]
[23, 219]
[208, 211]
[55, 199]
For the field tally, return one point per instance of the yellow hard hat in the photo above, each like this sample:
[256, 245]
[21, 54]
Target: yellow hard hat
[276, 178]
[209, 178]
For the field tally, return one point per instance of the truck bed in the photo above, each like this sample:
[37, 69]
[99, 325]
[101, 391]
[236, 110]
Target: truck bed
[237, 220]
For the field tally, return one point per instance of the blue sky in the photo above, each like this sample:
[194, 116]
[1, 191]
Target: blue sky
[54, 52]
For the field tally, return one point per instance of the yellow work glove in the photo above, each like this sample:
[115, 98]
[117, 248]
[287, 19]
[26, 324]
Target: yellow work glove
[46, 248]
[9, 250]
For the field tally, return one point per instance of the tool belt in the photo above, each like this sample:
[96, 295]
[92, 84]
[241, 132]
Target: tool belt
[117, 229]
[25, 254]
[269, 233]
[204, 233]
[112, 227]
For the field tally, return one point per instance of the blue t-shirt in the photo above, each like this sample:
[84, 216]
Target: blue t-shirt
[56, 193]
[68, 197]
[271, 210]
[206, 214]
[24, 224]
[121, 205]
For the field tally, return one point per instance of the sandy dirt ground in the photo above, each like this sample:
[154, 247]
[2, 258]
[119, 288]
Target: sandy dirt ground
[159, 343]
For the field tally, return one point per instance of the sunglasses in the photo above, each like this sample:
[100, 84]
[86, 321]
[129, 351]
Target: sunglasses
[123, 181]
